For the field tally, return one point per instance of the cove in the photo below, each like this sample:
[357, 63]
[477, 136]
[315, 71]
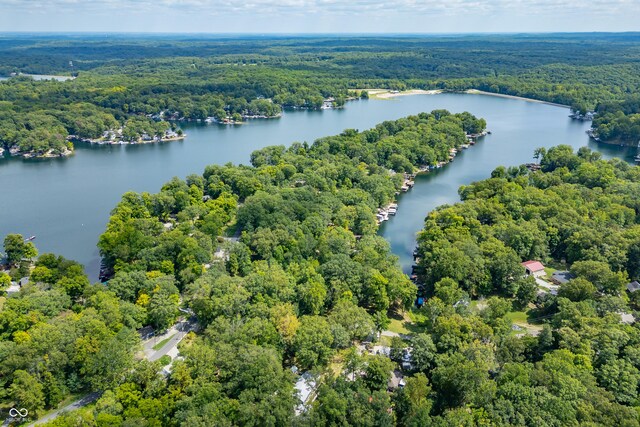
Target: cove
[66, 202]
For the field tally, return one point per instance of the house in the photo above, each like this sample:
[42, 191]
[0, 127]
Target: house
[561, 277]
[305, 386]
[13, 289]
[396, 380]
[633, 286]
[627, 318]
[534, 268]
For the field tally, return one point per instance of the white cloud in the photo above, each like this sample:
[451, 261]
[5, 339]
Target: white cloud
[319, 15]
[333, 6]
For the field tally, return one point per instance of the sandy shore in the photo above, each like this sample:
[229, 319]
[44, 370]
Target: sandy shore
[502, 95]
[388, 94]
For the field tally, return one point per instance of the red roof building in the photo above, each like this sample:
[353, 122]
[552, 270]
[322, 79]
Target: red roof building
[534, 268]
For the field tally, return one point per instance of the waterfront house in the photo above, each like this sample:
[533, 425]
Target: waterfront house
[534, 268]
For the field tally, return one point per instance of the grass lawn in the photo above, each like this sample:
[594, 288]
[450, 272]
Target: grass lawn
[161, 344]
[398, 326]
[405, 323]
[476, 306]
[517, 317]
[521, 319]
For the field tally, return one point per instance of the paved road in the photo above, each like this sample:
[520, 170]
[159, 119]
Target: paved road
[176, 332]
[83, 401]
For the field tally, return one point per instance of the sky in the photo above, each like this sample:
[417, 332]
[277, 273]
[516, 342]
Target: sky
[319, 16]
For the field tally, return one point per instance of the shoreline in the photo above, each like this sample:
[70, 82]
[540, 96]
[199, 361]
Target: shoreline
[522, 98]
[120, 142]
[32, 155]
[388, 94]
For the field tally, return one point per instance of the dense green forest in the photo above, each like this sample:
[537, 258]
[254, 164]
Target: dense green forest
[180, 77]
[307, 277]
[619, 121]
[578, 213]
[281, 265]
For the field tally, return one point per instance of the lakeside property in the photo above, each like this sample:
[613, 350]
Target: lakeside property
[82, 202]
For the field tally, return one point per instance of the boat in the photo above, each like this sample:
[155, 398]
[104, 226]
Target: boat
[30, 239]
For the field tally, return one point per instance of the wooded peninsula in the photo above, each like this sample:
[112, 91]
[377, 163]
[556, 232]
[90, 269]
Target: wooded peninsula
[127, 90]
[296, 300]
[263, 294]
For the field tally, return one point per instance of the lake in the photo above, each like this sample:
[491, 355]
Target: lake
[43, 77]
[66, 202]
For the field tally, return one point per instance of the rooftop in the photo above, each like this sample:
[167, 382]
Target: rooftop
[562, 277]
[633, 286]
[533, 265]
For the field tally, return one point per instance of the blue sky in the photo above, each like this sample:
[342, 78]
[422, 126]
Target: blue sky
[319, 16]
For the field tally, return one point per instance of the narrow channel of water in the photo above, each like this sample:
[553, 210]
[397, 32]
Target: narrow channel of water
[66, 202]
[518, 128]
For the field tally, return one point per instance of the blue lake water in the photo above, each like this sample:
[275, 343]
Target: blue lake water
[65, 203]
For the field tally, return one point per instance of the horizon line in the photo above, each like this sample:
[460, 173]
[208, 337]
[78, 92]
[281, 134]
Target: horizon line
[269, 33]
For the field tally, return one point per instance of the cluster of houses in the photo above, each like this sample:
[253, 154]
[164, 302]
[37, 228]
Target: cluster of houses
[383, 213]
[409, 179]
[307, 383]
[559, 278]
[588, 116]
[115, 137]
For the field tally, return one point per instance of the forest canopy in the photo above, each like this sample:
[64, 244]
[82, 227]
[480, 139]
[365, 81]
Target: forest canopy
[172, 78]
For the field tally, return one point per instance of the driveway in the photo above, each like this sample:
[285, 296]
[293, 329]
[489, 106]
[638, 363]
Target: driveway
[176, 333]
[83, 401]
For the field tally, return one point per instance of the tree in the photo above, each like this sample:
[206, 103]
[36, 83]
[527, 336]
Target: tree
[599, 273]
[163, 310]
[378, 372]
[27, 393]
[539, 153]
[355, 320]
[448, 291]
[621, 378]
[312, 342]
[5, 281]
[577, 289]
[527, 290]
[109, 365]
[285, 321]
[423, 352]
[460, 381]
[413, 400]
[16, 249]
[330, 408]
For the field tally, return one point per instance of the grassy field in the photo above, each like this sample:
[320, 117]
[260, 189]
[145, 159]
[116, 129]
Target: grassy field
[161, 344]
[398, 326]
[405, 323]
[521, 319]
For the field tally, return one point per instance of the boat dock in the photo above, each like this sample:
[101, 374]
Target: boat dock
[409, 178]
